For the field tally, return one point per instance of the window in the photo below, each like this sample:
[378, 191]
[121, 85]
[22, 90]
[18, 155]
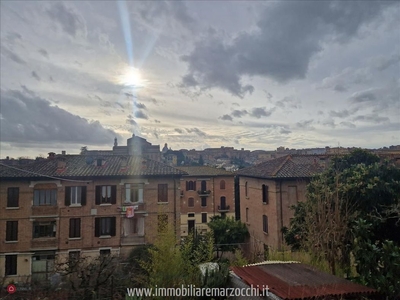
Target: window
[163, 192]
[247, 214]
[44, 229]
[13, 197]
[75, 228]
[191, 202]
[265, 194]
[190, 185]
[106, 194]
[204, 218]
[133, 226]
[265, 223]
[133, 193]
[12, 231]
[42, 265]
[222, 184]
[105, 226]
[246, 189]
[203, 201]
[162, 222]
[203, 186]
[44, 197]
[11, 265]
[292, 195]
[191, 215]
[105, 252]
[75, 195]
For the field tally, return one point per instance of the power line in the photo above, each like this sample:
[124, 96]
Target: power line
[38, 174]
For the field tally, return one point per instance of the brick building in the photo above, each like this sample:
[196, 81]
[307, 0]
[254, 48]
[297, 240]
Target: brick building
[69, 205]
[267, 191]
[205, 192]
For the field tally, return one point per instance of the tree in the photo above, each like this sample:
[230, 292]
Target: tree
[355, 188]
[228, 233]
[201, 160]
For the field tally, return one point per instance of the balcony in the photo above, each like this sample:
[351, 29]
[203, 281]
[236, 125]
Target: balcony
[133, 240]
[204, 193]
[139, 207]
[223, 208]
[44, 243]
[45, 210]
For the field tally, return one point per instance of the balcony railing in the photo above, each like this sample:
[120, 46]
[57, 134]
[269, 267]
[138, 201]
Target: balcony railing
[223, 208]
[43, 243]
[204, 193]
[139, 207]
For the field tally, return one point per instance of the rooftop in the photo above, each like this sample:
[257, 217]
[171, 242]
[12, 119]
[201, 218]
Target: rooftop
[299, 281]
[288, 166]
[89, 166]
[204, 171]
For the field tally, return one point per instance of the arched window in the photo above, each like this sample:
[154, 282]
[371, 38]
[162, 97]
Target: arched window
[190, 185]
[203, 185]
[246, 189]
[222, 184]
[265, 194]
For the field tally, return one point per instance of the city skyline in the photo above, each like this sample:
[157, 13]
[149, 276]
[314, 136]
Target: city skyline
[196, 75]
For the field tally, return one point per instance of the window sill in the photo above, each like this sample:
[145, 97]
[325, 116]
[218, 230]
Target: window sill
[12, 208]
[75, 238]
[44, 238]
[11, 242]
[265, 203]
[105, 204]
[75, 205]
[105, 237]
[265, 233]
[162, 203]
[247, 197]
[134, 203]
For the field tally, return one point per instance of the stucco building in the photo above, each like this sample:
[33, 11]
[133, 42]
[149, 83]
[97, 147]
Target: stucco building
[68, 205]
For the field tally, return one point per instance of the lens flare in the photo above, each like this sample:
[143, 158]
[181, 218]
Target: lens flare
[131, 77]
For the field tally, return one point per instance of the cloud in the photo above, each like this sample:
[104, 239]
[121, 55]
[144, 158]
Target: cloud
[348, 77]
[239, 113]
[348, 124]
[288, 102]
[285, 131]
[69, 20]
[226, 118]
[12, 55]
[372, 119]
[35, 75]
[196, 131]
[27, 118]
[343, 113]
[382, 63]
[141, 115]
[157, 121]
[43, 52]
[140, 105]
[259, 112]
[288, 35]
[178, 130]
[130, 120]
[305, 124]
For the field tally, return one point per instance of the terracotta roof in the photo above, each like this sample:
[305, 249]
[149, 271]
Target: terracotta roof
[288, 166]
[204, 171]
[84, 166]
[299, 281]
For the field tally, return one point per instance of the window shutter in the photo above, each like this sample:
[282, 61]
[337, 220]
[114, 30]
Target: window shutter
[97, 226]
[187, 185]
[113, 227]
[194, 185]
[67, 196]
[8, 233]
[98, 194]
[113, 194]
[165, 192]
[83, 196]
[71, 226]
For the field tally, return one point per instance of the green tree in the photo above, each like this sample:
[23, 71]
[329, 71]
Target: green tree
[228, 233]
[355, 187]
[201, 160]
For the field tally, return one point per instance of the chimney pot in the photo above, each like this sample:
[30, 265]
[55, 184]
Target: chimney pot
[52, 155]
[63, 152]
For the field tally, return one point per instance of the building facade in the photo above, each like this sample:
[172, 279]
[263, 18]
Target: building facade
[70, 205]
[205, 192]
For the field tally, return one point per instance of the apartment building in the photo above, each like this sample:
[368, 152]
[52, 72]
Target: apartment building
[267, 191]
[205, 192]
[69, 205]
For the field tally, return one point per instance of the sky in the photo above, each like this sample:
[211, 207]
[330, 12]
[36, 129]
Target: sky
[198, 74]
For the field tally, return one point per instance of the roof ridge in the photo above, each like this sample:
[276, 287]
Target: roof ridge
[281, 165]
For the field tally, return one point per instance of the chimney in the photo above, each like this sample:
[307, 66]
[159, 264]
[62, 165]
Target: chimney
[52, 155]
[61, 163]
[63, 152]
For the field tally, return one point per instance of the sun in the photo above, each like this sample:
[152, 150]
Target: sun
[131, 77]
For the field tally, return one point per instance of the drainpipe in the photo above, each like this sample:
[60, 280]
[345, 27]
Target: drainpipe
[175, 217]
[281, 214]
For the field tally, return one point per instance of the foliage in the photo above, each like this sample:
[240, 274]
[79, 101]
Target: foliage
[201, 160]
[216, 279]
[133, 267]
[228, 233]
[356, 186]
[239, 260]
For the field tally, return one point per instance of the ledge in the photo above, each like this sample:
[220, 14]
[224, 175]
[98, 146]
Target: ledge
[12, 208]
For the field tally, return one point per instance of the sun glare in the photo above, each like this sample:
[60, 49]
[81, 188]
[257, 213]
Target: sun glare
[131, 77]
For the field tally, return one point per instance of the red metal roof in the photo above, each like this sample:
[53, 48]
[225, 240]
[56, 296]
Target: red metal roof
[299, 281]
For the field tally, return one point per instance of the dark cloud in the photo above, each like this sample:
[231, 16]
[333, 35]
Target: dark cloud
[235, 104]
[28, 118]
[226, 118]
[36, 76]
[12, 55]
[305, 124]
[382, 63]
[259, 112]
[372, 119]
[239, 113]
[287, 36]
[141, 115]
[189, 81]
[288, 102]
[27, 91]
[178, 130]
[329, 123]
[348, 124]
[340, 88]
[43, 52]
[157, 121]
[130, 120]
[285, 131]
[364, 96]
[13, 36]
[196, 131]
[342, 113]
[140, 105]
[69, 20]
